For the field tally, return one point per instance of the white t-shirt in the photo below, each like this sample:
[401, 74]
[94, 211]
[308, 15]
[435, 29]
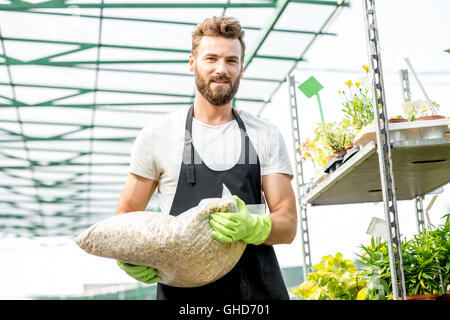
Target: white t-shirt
[157, 150]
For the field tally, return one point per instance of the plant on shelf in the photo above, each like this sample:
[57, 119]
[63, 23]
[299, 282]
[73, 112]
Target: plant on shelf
[333, 279]
[357, 102]
[335, 135]
[419, 109]
[317, 153]
[397, 118]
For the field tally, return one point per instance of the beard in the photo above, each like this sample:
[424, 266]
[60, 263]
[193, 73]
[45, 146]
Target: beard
[218, 96]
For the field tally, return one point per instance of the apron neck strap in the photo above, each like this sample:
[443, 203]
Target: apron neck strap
[188, 154]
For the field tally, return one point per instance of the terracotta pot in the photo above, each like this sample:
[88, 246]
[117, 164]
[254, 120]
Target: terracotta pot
[434, 117]
[444, 297]
[339, 152]
[422, 297]
[397, 120]
[348, 147]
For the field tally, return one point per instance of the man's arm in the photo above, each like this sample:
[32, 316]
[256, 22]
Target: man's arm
[283, 211]
[136, 194]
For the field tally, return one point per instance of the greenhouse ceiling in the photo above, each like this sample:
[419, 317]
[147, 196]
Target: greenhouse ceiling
[79, 79]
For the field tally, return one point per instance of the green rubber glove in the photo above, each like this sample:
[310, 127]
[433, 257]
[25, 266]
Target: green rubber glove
[143, 274]
[242, 225]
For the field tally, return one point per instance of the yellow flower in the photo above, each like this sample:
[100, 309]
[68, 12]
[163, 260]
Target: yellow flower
[357, 84]
[366, 68]
[349, 83]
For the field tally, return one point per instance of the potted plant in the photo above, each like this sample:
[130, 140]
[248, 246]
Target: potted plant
[333, 279]
[316, 152]
[421, 110]
[376, 271]
[426, 266]
[441, 240]
[336, 136]
[357, 102]
[397, 118]
[420, 268]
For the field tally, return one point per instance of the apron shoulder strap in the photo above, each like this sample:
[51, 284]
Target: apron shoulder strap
[188, 153]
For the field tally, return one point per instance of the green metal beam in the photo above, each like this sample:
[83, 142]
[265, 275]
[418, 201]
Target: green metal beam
[11, 61]
[86, 90]
[327, 22]
[82, 126]
[103, 153]
[55, 4]
[26, 138]
[173, 22]
[118, 91]
[319, 2]
[86, 45]
[252, 52]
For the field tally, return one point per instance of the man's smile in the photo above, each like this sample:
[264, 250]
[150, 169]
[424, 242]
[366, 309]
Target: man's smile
[219, 82]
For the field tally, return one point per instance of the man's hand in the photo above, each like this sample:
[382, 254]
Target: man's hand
[242, 225]
[143, 274]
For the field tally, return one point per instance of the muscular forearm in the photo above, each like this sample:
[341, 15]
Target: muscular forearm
[126, 206]
[284, 228]
[136, 194]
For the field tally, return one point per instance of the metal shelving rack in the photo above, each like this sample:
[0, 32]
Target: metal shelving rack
[299, 178]
[386, 153]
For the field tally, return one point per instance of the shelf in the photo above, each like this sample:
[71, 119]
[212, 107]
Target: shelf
[420, 166]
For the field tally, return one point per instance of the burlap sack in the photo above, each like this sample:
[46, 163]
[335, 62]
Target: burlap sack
[181, 248]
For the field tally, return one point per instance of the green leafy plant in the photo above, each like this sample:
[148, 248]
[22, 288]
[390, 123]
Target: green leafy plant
[335, 135]
[334, 279]
[441, 243]
[357, 102]
[420, 266]
[376, 271]
[426, 258]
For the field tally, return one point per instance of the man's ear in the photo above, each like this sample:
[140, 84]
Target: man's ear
[242, 70]
[191, 63]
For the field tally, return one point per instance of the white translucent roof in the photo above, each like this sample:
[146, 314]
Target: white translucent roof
[79, 79]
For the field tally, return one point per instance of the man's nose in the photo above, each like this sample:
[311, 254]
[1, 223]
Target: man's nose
[221, 67]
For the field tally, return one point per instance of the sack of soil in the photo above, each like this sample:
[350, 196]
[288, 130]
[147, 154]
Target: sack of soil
[180, 247]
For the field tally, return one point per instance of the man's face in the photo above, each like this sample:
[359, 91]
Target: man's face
[218, 69]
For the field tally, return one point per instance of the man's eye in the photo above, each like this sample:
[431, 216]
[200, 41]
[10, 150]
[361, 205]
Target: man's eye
[210, 59]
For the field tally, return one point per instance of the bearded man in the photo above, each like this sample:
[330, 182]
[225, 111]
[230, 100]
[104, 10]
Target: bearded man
[198, 151]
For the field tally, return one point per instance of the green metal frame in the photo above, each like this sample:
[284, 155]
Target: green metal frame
[29, 205]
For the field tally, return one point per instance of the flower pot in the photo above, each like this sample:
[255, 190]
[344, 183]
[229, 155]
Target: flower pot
[422, 297]
[350, 153]
[433, 117]
[348, 147]
[339, 152]
[445, 297]
[334, 162]
[395, 120]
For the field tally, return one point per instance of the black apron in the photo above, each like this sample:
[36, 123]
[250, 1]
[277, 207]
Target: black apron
[257, 275]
